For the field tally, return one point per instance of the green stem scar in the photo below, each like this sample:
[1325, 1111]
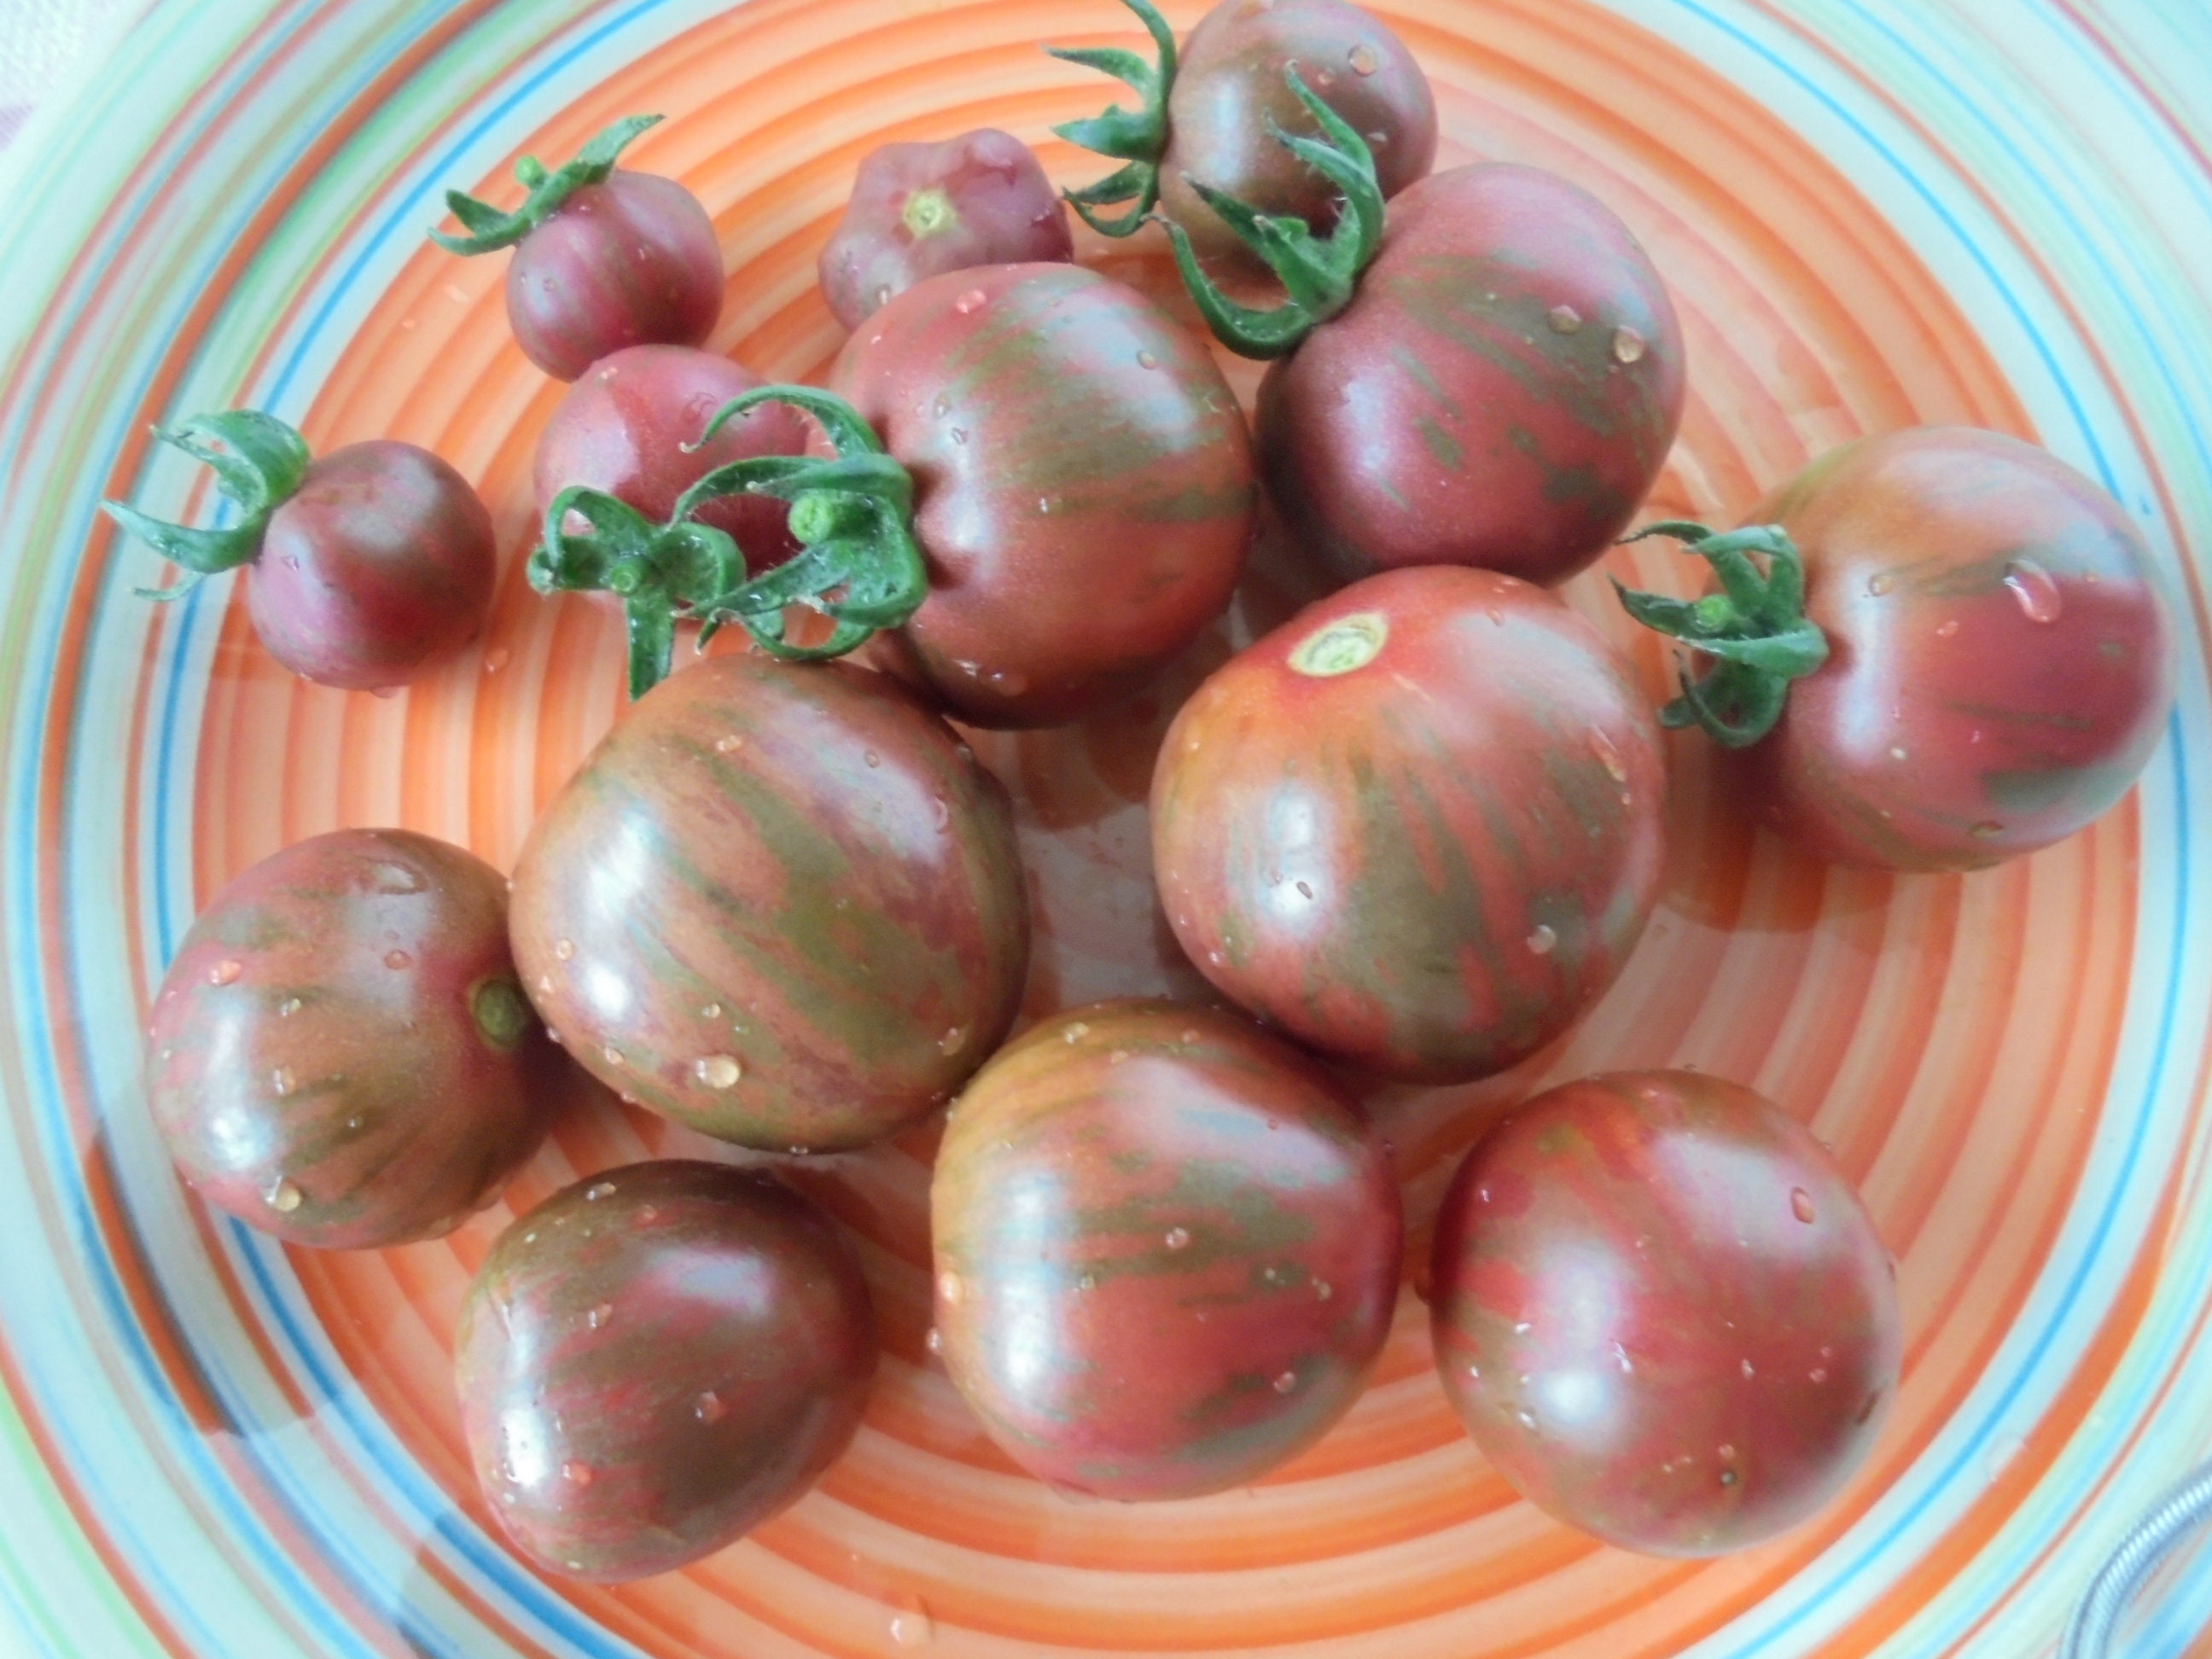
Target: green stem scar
[1137, 137]
[1755, 628]
[929, 211]
[258, 464]
[490, 227]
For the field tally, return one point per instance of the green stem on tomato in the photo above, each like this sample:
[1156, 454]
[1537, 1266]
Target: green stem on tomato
[1755, 629]
[258, 468]
[1137, 138]
[1319, 275]
[490, 227]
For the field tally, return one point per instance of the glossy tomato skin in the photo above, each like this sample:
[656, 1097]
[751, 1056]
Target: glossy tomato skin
[2001, 660]
[1231, 83]
[919, 211]
[1664, 1313]
[622, 429]
[1419, 827]
[631, 261]
[1166, 1250]
[656, 1360]
[1502, 390]
[1083, 482]
[379, 566]
[340, 1053]
[779, 903]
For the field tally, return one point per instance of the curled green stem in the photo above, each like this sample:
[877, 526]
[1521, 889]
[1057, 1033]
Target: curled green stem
[1319, 275]
[1754, 629]
[1138, 139]
[490, 227]
[258, 463]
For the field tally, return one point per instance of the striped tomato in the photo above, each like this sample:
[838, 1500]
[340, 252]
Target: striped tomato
[780, 903]
[655, 1360]
[1664, 1313]
[1418, 826]
[340, 1053]
[1166, 1250]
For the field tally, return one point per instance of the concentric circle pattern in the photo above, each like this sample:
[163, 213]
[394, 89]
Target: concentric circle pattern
[1871, 212]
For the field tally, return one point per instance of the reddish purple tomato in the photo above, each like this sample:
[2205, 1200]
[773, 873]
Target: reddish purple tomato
[622, 429]
[1662, 1312]
[1230, 87]
[340, 1053]
[2001, 660]
[656, 1360]
[1418, 827]
[919, 211]
[780, 903]
[633, 261]
[1166, 1250]
[379, 566]
[1083, 482]
[1501, 390]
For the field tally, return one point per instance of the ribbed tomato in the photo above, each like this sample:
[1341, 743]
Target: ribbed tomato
[1166, 1250]
[779, 903]
[1418, 826]
[656, 1360]
[340, 1053]
[1663, 1312]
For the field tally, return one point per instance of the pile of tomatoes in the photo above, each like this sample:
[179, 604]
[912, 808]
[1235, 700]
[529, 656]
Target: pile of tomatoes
[1410, 834]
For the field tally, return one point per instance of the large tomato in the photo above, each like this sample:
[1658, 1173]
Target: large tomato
[655, 1360]
[1083, 482]
[1166, 1250]
[779, 903]
[1999, 661]
[1664, 1313]
[1418, 826]
[340, 1053]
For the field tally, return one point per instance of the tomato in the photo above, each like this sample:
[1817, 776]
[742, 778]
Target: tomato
[1082, 483]
[656, 1360]
[1664, 1313]
[1992, 662]
[1166, 1250]
[364, 568]
[919, 211]
[1211, 112]
[625, 426]
[603, 258]
[1419, 827]
[780, 904]
[340, 1053]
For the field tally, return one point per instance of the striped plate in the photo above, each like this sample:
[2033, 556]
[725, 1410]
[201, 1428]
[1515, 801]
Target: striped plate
[1873, 211]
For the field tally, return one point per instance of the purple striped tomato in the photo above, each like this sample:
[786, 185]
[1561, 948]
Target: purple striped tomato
[1663, 1312]
[780, 903]
[340, 1053]
[656, 1360]
[1418, 827]
[1166, 1250]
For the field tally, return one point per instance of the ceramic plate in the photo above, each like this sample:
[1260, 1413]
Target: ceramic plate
[1871, 212]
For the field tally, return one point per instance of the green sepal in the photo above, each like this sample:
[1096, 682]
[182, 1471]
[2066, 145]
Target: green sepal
[258, 464]
[1319, 275]
[1755, 629]
[490, 227]
[1137, 137]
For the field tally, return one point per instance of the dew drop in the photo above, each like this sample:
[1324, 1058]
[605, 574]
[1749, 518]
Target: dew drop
[942, 407]
[969, 303]
[1523, 1328]
[614, 1055]
[1189, 1036]
[1146, 359]
[1527, 1418]
[564, 949]
[940, 813]
[284, 1197]
[1628, 346]
[1542, 941]
[1820, 1375]
[718, 1071]
[1880, 583]
[883, 294]
[1947, 628]
[288, 1007]
[396, 959]
[225, 972]
[599, 1316]
[1286, 1382]
[934, 1342]
[1565, 319]
[1749, 1370]
[576, 1474]
[281, 1080]
[1620, 1358]
[873, 759]
[1727, 1453]
[1364, 60]
[592, 1195]
[708, 1407]
[1076, 1032]
[1898, 754]
[1801, 1206]
[1988, 830]
[2039, 599]
[729, 745]
[712, 1010]
[950, 1290]
[912, 1628]
[1178, 1238]
[353, 1124]
[950, 1042]
[1729, 1477]
[1609, 757]
[1088, 1282]
[545, 984]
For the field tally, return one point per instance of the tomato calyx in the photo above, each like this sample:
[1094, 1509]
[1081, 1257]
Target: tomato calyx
[491, 228]
[1755, 628]
[1319, 275]
[259, 467]
[1137, 137]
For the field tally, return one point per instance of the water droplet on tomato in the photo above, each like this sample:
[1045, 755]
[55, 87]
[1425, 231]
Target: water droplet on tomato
[1117, 1056]
[613, 1055]
[288, 1007]
[1565, 319]
[1526, 1418]
[1178, 1238]
[354, 1122]
[951, 1040]
[1727, 1453]
[1286, 1382]
[933, 1340]
[2040, 601]
[497, 659]
[599, 1316]
[1075, 1033]
[712, 1010]
[1088, 1282]
[970, 302]
[1988, 830]
[1146, 359]
[942, 407]
[281, 1080]
[1628, 346]
[950, 1290]
[592, 1195]
[1542, 941]
[1729, 1477]
[1801, 1206]
[718, 1071]
[1947, 628]
[912, 1628]
[1620, 1358]
[873, 758]
[1364, 60]
[564, 949]
[225, 972]
[284, 1197]
[1190, 1036]
[398, 959]
[576, 1474]
[1897, 754]
[1749, 1370]
[291, 561]
[728, 746]
[1523, 1328]
[1880, 583]
[1820, 1375]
